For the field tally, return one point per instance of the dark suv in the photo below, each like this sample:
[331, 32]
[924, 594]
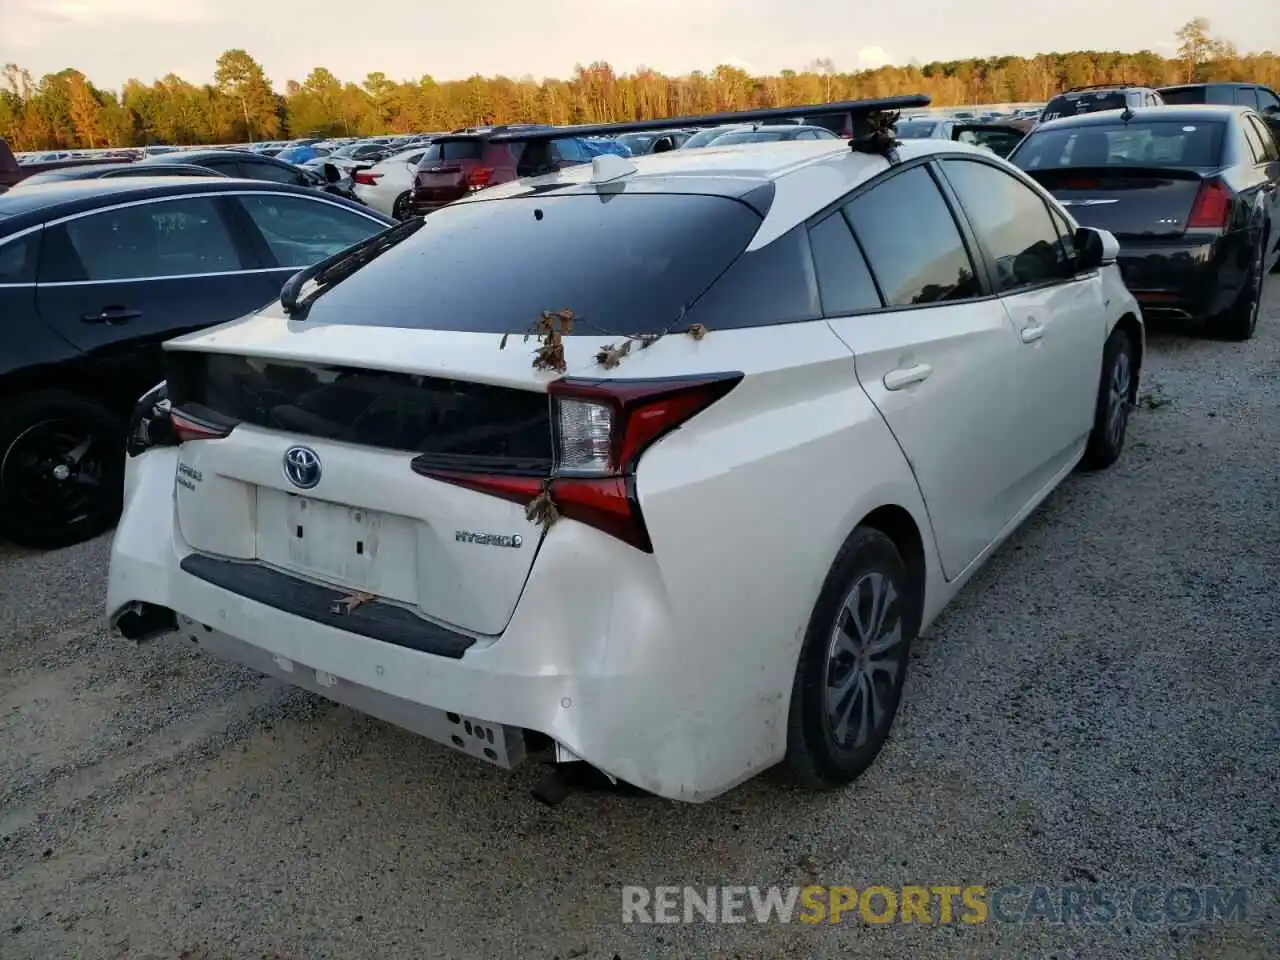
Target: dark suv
[460, 163]
[1251, 95]
[1098, 97]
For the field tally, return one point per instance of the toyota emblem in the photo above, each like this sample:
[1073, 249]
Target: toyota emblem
[302, 467]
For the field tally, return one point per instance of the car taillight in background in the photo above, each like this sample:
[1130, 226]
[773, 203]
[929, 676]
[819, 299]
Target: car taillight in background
[154, 423]
[366, 178]
[1213, 205]
[601, 428]
[479, 177]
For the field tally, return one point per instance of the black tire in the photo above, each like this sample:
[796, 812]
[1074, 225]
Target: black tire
[400, 209]
[61, 469]
[1240, 321]
[1115, 401]
[818, 756]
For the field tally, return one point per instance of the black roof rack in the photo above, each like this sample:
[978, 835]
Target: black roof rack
[1114, 85]
[871, 121]
[858, 108]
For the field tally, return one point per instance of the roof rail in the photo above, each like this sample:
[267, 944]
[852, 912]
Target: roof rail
[871, 120]
[1114, 85]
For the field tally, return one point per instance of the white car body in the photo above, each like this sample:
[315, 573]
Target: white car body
[394, 177]
[672, 669]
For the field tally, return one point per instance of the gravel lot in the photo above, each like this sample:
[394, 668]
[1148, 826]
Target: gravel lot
[1102, 705]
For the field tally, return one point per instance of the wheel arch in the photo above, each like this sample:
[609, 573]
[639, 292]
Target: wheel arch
[898, 524]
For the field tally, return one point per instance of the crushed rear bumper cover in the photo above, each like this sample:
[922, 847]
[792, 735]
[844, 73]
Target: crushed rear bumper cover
[606, 677]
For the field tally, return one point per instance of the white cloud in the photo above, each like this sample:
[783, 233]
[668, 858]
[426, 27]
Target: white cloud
[28, 23]
[869, 58]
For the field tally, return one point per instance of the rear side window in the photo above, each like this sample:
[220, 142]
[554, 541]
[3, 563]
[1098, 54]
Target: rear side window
[1164, 143]
[1267, 101]
[168, 238]
[925, 264]
[1269, 151]
[844, 279]
[18, 259]
[774, 284]
[443, 151]
[623, 263]
[1255, 142]
[1247, 97]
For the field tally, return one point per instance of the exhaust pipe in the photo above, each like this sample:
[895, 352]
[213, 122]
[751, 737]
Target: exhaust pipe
[140, 621]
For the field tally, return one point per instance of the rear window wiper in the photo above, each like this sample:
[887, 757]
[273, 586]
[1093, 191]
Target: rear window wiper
[333, 270]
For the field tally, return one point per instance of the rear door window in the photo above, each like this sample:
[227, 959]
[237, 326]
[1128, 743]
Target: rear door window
[844, 280]
[167, 238]
[271, 172]
[632, 264]
[928, 263]
[1247, 97]
[300, 231]
[1255, 142]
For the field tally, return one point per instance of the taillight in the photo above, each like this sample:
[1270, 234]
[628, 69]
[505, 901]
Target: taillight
[188, 426]
[1212, 207]
[601, 429]
[366, 178]
[479, 177]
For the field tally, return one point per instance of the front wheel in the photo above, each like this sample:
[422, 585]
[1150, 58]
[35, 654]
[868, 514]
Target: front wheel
[853, 663]
[1115, 400]
[400, 209]
[61, 469]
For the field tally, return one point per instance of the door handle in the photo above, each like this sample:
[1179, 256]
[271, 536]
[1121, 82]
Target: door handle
[112, 315]
[906, 376]
[1032, 332]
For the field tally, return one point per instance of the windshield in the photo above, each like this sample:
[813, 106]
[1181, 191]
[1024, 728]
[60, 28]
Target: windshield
[1165, 143]
[628, 265]
[916, 129]
[1074, 104]
[638, 142]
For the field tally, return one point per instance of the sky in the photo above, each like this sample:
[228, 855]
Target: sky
[113, 40]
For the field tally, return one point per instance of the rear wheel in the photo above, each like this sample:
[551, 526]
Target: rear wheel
[1241, 320]
[61, 469]
[400, 209]
[1115, 396]
[852, 664]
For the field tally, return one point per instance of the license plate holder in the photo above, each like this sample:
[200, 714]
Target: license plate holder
[334, 542]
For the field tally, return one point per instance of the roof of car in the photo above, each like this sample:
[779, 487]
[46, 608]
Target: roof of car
[805, 175]
[1190, 111]
[1213, 83]
[42, 202]
[191, 156]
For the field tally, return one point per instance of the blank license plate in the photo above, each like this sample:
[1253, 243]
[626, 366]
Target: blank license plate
[334, 542]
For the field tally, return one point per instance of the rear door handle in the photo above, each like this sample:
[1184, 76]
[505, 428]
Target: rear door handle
[906, 376]
[112, 315]
[1032, 332]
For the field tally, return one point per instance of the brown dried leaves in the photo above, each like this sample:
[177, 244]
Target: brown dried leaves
[553, 325]
[542, 508]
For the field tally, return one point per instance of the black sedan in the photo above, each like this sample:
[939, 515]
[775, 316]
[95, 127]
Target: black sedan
[1191, 192]
[94, 276]
[253, 166]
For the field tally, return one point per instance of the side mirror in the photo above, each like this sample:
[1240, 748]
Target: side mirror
[331, 173]
[1095, 247]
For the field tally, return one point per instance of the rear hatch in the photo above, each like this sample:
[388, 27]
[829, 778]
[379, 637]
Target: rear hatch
[361, 518]
[405, 365]
[1143, 203]
[449, 169]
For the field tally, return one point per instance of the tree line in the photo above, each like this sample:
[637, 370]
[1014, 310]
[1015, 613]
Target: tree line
[66, 110]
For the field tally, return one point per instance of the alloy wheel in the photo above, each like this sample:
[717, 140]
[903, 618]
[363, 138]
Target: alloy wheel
[863, 661]
[1118, 399]
[54, 475]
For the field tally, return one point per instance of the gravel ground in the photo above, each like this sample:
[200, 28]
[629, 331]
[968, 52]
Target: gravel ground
[1100, 707]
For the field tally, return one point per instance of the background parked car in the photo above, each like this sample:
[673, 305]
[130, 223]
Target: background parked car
[773, 134]
[94, 171]
[998, 136]
[1192, 193]
[386, 185]
[94, 276]
[925, 129]
[1097, 97]
[1251, 95]
[251, 166]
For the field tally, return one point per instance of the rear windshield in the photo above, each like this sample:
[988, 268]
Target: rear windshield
[623, 263]
[916, 130]
[445, 150]
[1073, 104]
[1165, 143]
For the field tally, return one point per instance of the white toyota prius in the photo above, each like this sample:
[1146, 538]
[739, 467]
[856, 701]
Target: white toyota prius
[659, 464]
